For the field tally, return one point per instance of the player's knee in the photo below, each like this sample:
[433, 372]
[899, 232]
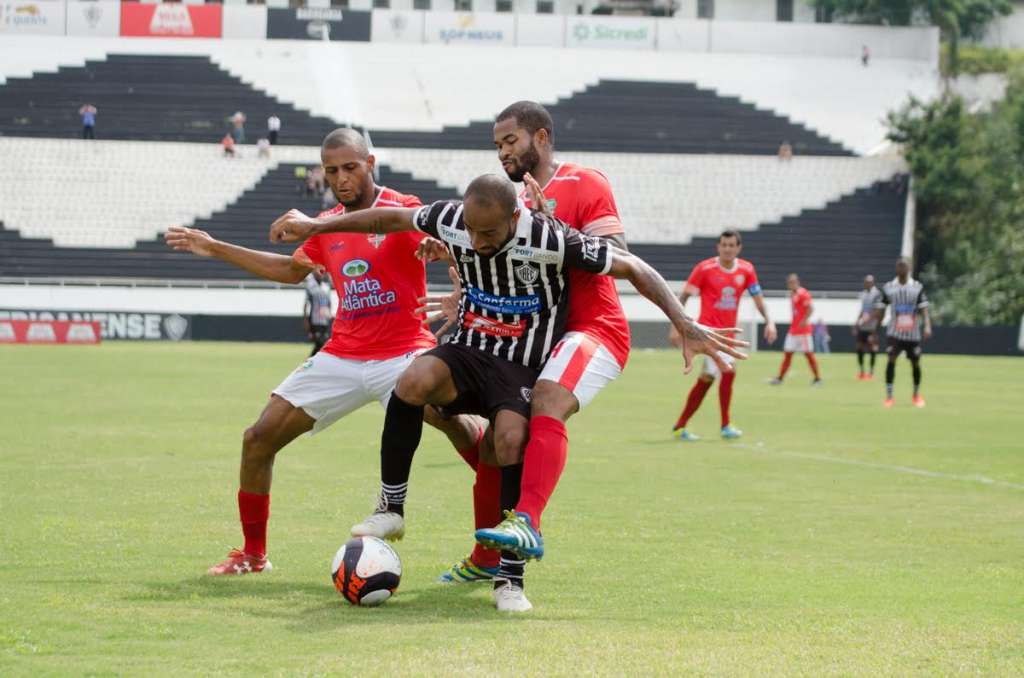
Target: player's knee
[551, 399]
[706, 378]
[256, 444]
[509, 445]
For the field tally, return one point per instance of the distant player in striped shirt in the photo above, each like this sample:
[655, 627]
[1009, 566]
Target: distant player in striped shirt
[865, 328]
[908, 307]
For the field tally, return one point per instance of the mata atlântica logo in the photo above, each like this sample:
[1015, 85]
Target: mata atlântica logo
[355, 268]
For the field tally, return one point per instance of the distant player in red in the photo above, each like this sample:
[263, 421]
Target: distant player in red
[800, 337]
[720, 281]
[377, 333]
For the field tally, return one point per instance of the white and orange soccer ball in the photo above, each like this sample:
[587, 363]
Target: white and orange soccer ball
[366, 571]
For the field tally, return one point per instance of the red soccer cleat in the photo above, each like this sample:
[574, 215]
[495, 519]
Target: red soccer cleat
[918, 401]
[889, 402]
[240, 563]
[862, 376]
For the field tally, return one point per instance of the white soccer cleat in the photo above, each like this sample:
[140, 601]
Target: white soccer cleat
[383, 525]
[511, 598]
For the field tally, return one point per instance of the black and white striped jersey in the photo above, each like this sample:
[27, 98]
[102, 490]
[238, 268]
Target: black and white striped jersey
[906, 300]
[514, 303]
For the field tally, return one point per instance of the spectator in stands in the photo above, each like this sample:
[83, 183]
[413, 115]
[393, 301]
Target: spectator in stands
[263, 148]
[865, 55]
[301, 184]
[228, 143]
[238, 127]
[273, 127]
[785, 151]
[822, 338]
[88, 113]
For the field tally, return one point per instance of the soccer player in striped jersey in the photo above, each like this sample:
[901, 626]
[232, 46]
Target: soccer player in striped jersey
[799, 338]
[512, 266]
[865, 328]
[908, 307]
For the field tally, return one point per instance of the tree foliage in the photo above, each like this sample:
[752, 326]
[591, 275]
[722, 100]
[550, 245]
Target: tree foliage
[968, 170]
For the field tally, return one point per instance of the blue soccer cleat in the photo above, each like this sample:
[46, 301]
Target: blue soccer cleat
[466, 571]
[731, 433]
[683, 434]
[514, 534]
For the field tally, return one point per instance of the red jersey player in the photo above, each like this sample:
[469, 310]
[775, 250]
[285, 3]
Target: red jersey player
[376, 333]
[595, 347]
[799, 339]
[720, 281]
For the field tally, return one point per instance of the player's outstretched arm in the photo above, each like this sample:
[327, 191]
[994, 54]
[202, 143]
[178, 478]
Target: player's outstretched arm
[266, 265]
[695, 337]
[294, 226]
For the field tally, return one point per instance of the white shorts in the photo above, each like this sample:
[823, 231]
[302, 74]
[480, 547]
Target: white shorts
[328, 387]
[710, 367]
[582, 365]
[798, 343]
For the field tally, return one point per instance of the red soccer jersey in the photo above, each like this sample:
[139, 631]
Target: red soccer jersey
[801, 301]
[720, 290]
[582, 198]
[378, 279]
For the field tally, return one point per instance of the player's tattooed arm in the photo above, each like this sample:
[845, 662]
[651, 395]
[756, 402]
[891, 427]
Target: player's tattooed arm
[695, 337]
[294, 226]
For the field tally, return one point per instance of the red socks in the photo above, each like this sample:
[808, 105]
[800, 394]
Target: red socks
[725, 395]
[813, 363]
[486, 510]
[472, 455]
[787, 359]
[543, 463]
[693, 402]
[254, 511]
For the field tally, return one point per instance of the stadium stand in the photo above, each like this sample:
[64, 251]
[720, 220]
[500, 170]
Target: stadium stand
[645, 117]
[147, 97]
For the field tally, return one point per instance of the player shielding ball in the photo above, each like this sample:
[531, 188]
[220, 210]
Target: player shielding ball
[865, 328]
[800, 337]
[720, 282]
[512, 312]
[377, 333]
[908, 306]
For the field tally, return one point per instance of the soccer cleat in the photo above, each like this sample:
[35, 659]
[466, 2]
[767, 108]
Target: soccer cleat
[731, 432]
[817, 382]
[889, 402]
[239, 563]
[683, 434]
[511, 598]
[381, 524]
[775, 381]
[514, 534]
[862, 376]
[870, 377]
[918, 401]
[466, 571]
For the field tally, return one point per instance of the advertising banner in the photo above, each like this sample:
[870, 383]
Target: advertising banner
[480, 28]
[108, 325]
[245, 21]
[39, 17]
[397, 26]
[684, 35]
[540, 30]
[609, 32]
[170, 20]
[49, 332]
[93, 18]
[318, 23]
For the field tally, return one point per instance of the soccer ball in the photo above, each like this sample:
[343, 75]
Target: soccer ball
[366, 571]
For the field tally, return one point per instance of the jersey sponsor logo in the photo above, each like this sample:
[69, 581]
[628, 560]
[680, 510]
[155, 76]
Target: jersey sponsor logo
[527, 274]
[467, 259]
[369, 293]
[535, 254]
[454, 236]
[355, 268]
[495, 328]
[336, 246]
[591, 249]
[527, 303]
[728, 300]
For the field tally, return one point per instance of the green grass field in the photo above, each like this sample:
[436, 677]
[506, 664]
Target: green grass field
[835, 538]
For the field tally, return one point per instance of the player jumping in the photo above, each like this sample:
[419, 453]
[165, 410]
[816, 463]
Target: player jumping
[376, 333]
[799, 337]
[720, 281]
[907, 300]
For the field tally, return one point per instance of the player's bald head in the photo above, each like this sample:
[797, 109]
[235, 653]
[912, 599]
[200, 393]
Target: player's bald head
[493, 190]
[346, 137]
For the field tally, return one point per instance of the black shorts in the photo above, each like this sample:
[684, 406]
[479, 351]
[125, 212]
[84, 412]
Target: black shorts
[867, 337]
[897, 346]
[485, 382]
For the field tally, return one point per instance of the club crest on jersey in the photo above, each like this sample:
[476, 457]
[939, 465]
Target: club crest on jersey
[376, 239]
[526, 393]
[740, 279]
[527, 274]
